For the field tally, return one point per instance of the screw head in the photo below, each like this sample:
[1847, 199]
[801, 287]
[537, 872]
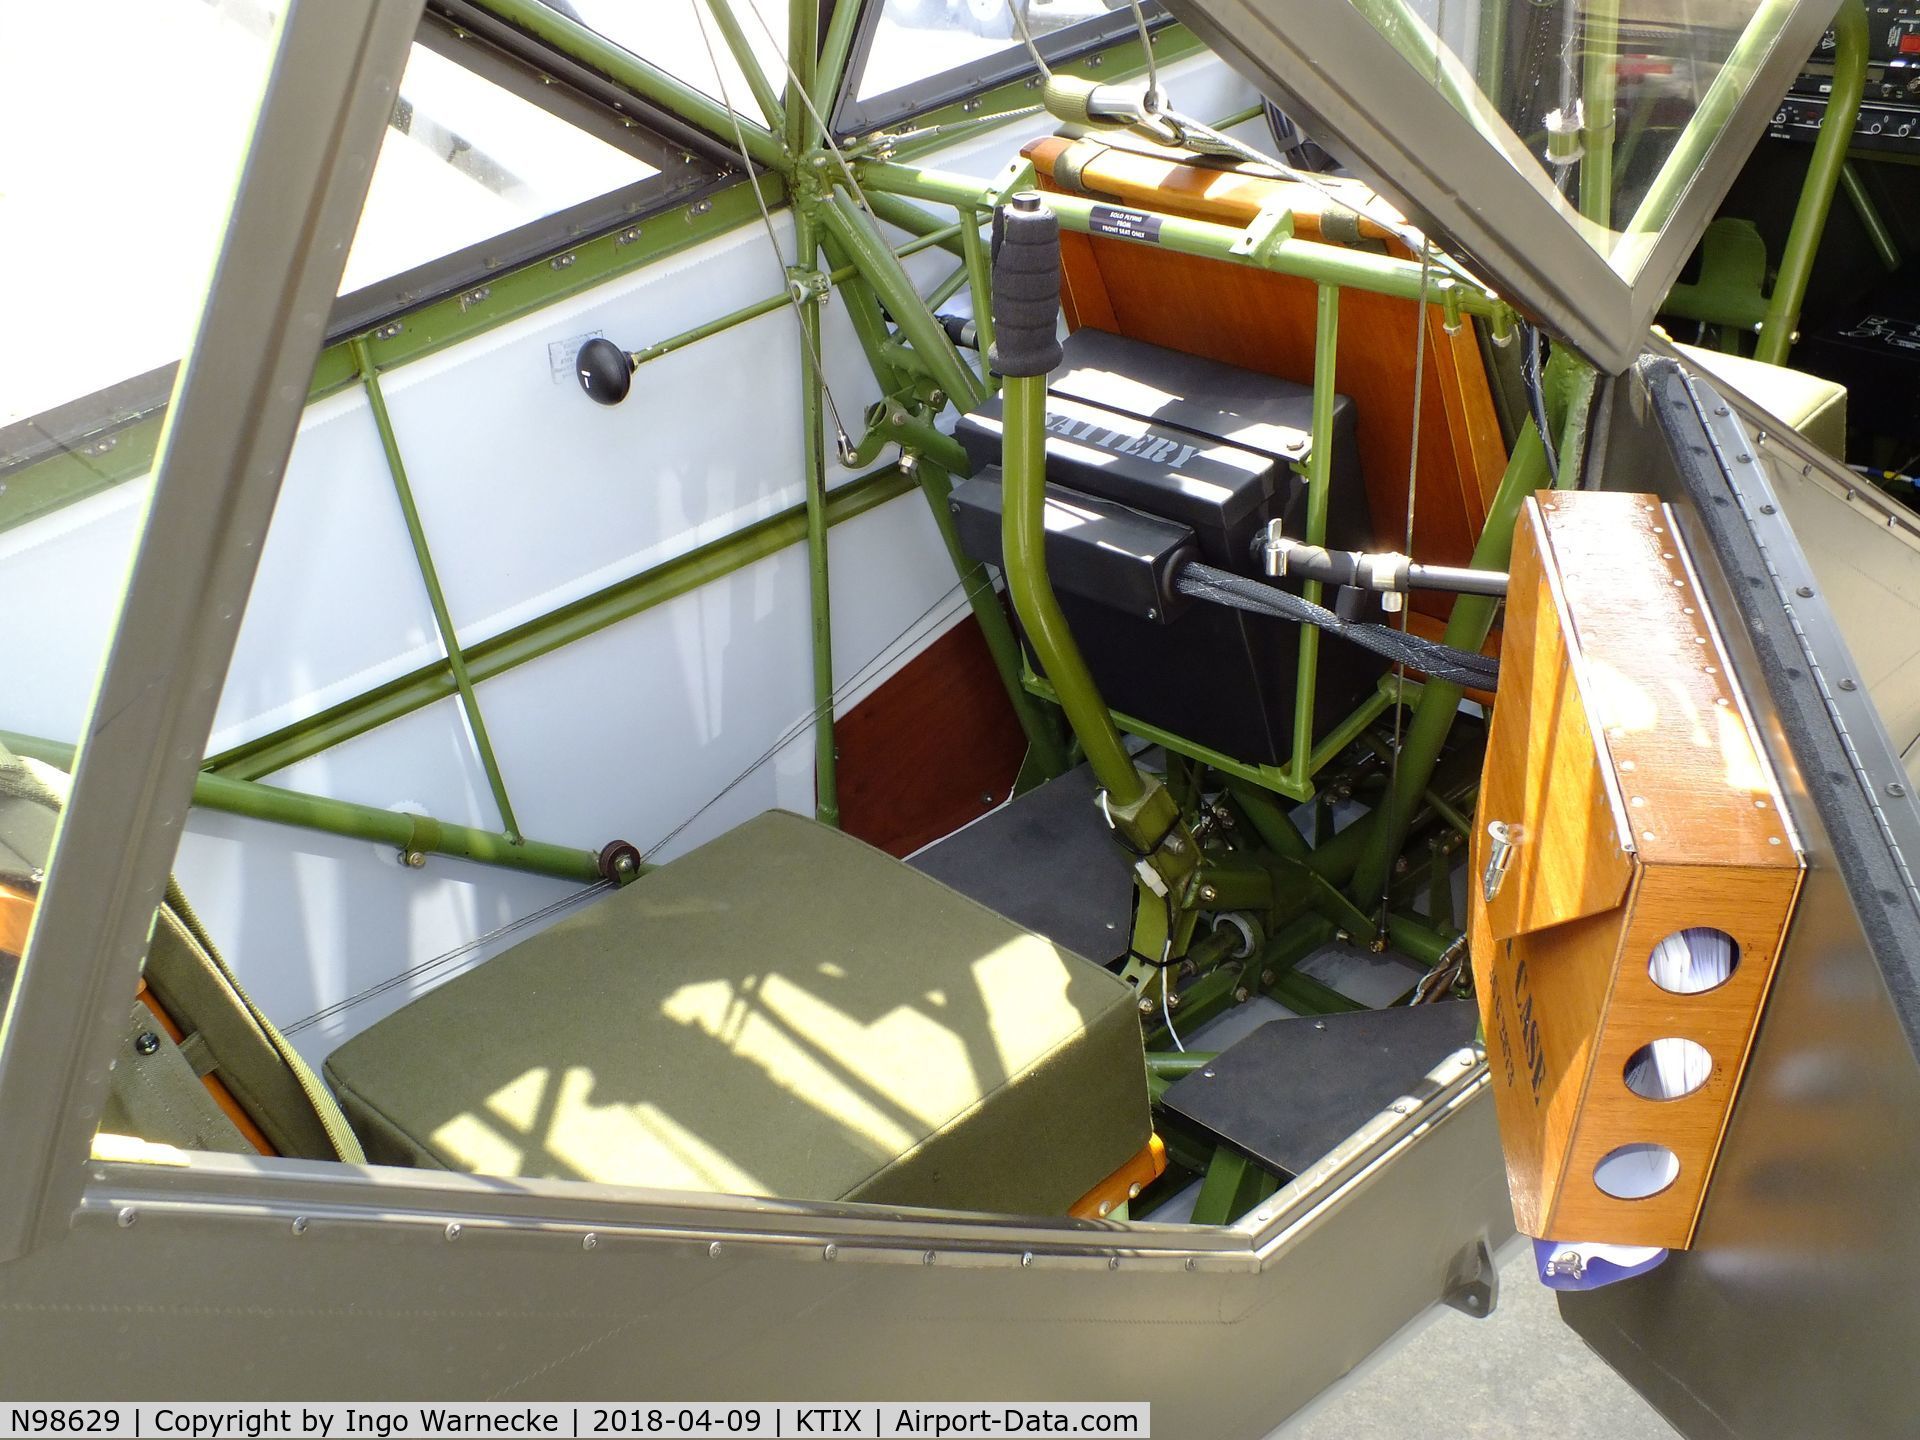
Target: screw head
[1026, 1259]
[1896, 788]
[713, 1251]
[589, 1241]
[1805, 592]
[453, 1230]
[1240, 997]
[927, 1259]
[146, 1042]
[1192, 1264]
[1113, 1262]
[126, 1217]
[299, 1224]
[832, 1252]
[1848, 685]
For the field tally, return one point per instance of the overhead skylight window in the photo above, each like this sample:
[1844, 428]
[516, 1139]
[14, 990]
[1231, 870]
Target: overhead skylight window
[667, 34]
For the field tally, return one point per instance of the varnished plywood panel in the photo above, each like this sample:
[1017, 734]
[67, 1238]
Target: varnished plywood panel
[1542, 774]
[1625, 756]
[936, 746]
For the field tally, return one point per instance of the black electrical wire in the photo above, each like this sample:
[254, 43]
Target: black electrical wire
[1442, 662]
[1530, 379]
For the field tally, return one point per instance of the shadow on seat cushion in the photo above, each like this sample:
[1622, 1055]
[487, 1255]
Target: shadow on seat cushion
[784, 1011]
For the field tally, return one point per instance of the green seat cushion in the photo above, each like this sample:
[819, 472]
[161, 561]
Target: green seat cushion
[1816, 408]
[784, 1011]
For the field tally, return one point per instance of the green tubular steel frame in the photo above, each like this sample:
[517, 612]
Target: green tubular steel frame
[1308, 892]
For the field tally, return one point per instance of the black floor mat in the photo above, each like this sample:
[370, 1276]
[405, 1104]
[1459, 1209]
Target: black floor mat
[1046, 861]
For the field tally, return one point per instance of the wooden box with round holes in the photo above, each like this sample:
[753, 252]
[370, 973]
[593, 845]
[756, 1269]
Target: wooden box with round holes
[1632, 873]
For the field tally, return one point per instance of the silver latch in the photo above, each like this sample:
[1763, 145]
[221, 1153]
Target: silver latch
[1504, 838]
[1274, 546]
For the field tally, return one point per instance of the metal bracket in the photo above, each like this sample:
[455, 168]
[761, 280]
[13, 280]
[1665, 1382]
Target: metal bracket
[1473, 1281]
[1265, 233]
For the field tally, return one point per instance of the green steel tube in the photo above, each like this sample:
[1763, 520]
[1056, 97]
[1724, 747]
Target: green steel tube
[1023, 542]
[1048, 748]
[742, 51]
[1172, 1064]
[404, 832]
[1326, 345]
[957, 279]
[1325, 264]
[979, 271]
[546, 633]
[803, 51]
[826, 784]
[890, 282]
[436, 597]
[1723, 96]
[1884, 245]
[915, 221]
[1467, 629]
[1599, 84]
[625, 68]
[1780, 327]
[834, 51]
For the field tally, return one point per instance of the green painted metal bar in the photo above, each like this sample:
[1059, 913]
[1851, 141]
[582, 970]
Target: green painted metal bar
[1174, 1064]
[625, 68]
[1467, 629]
[1780, 327]
[1233, 1185]
[956, 280]
[1884, 245]
[1703, 128]
[1326, 345]
[834, 51]
[826, 785]
[1046, 747]
[915, 221]
[1326, 264]
[882, 269]
[406, 833]
[978, 267]
[540, 636]
[802, 61]
[436, 597]
[1599, 86]
[1276, 831]
[742, 51]
[1023, 541]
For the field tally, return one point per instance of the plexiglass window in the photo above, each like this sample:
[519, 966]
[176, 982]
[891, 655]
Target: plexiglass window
[688, 44]
[1610, 105]
[918, 39]
[112, 212]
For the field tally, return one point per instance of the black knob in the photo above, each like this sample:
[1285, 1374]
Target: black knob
[605, 371]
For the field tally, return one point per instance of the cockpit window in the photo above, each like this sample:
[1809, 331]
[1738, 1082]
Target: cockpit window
[674, 36]
[915, 55]
[117, 220]
[1591, 98]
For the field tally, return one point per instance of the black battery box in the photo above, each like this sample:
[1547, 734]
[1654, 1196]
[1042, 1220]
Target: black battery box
[1217, 450]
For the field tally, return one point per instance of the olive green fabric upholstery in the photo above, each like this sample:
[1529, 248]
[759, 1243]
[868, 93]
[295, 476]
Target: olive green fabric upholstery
[1814, 407]
[784, 1011]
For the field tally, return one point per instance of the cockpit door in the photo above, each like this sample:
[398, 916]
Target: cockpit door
[1571, 151]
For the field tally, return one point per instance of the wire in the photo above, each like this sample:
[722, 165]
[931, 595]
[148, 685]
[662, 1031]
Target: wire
[1530, 379]
[773, 238]
[1154, 92]
[1443, 662]
[1026, 37]
[1413, 487]
[806, 100]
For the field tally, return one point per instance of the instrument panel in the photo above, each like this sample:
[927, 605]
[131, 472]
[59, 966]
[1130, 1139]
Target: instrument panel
[1889, 111]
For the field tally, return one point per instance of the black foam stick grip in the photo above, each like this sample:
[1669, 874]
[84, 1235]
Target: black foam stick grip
[1026, 287]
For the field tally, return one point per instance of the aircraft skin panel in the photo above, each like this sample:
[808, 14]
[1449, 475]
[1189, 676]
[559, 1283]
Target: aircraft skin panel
[371, 1300]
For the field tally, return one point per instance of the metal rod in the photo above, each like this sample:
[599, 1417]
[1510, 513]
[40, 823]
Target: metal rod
[890, 282]
[826, 789]
[803, 54]
[1598, 89]
[1780, 326]
[1039, 724]
[1884, 245]
[1325, 264]
[1326, 345]
[915, 221]
[833, 55]
[406, 833]
[546, 633]
[1023, 542]
[625, 68]
[743, 56]
[1467, 629]
[979, 272]
[430, 580]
